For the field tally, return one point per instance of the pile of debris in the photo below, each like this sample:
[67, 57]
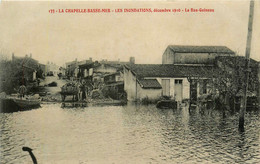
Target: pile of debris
[52, 84]
[2, 95]
[97, 94]
[69, 88]
[50, 99]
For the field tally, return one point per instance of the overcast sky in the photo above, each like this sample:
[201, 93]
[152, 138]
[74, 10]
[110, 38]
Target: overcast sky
[28, 27]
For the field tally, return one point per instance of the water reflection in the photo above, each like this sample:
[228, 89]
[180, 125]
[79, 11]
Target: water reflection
[75, 133]
[74, 105]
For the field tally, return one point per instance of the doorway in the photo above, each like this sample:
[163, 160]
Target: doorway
[193, 91]
[166, 87]
[178, 87]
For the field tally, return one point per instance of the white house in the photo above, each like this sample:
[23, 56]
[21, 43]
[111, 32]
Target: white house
[176, 81]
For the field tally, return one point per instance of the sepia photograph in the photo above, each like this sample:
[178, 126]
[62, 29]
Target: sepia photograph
[129, 82]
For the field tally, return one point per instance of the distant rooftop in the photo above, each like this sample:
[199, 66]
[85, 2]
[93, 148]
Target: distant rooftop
[200, 49]
[149, 83]
[114, 62]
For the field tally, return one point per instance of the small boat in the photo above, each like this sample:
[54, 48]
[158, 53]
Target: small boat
[27, 103]
[166, 104]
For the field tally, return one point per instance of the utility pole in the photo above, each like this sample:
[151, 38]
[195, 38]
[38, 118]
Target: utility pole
[247, 63]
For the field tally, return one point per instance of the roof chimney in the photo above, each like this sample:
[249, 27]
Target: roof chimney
[132, 60]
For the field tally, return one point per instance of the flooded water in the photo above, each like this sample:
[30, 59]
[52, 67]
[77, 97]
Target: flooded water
[128, 134]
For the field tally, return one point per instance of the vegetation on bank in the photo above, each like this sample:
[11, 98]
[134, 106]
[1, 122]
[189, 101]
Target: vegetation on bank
[230, 86]
[18, 71]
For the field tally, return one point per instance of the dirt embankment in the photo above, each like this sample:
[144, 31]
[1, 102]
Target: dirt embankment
[51, 93]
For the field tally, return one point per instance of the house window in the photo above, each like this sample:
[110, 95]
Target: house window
[117, 78]
[178, 81]
[204, 87]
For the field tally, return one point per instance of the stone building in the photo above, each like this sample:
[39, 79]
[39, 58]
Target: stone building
[175, 54]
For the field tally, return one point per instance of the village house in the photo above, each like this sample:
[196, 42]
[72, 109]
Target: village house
[44, 69]
[52, 68]
[62, 71]
[86, 70]
[73, 68]
[176, 54]
[104, 69]
[114, 83]
[109, 67]
[187, 72]
[70, 69]
[114, 77]
[192, 72]
[178, 82]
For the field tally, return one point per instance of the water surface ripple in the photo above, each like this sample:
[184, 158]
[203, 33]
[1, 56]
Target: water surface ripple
[128, 134]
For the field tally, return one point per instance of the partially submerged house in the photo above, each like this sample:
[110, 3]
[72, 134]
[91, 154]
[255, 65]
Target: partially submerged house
[109, 74]
[113, 78]
[85, 71]
[176, 81]
[114, 83]
[177, 54]
[107, 68]
[101, 70]
[75, 70]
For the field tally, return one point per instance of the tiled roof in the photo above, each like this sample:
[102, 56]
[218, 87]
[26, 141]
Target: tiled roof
[170, 70]
[149, 83]
[111, 74]
[115, 83]
[200, 49]
[114, 62]
[88, 65]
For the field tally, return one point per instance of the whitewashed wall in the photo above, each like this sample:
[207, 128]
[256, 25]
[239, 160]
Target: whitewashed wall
[130, 85]
[150, 93]
[185, 85]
